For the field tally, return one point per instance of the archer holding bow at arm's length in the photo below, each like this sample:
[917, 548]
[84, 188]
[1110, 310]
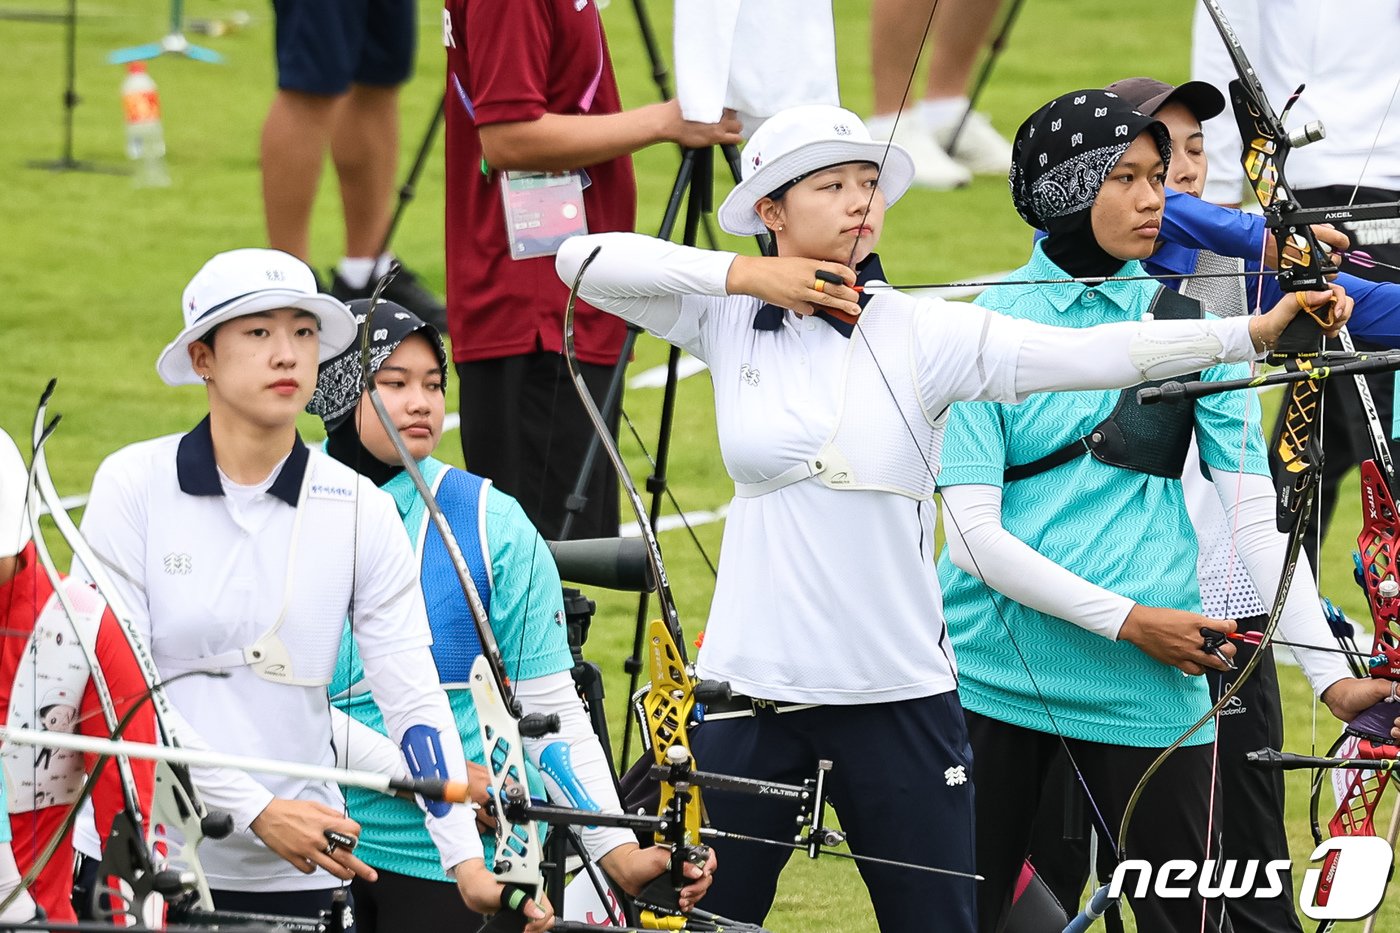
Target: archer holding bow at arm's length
[519, 587]
[238, 549]
[1060, 504]
[832, 432]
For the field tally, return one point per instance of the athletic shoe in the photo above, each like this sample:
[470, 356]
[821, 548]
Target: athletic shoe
[405, 289]
[932, 166]
[979, 147]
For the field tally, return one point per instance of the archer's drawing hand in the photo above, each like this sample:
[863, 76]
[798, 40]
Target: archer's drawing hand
[1173, 637]
[790, 282]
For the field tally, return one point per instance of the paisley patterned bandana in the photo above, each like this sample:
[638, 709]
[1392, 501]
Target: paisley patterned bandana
[1065, 150]
[341, 380]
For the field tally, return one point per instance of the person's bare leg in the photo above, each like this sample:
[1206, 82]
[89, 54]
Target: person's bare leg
[959, 34]
[897, 28]
[294, 141]
[896, 35]
[365, 150]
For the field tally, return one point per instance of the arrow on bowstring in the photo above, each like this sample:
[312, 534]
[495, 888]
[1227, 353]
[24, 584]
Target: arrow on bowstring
[1065, 280]
[429, 789]
[1098, 817]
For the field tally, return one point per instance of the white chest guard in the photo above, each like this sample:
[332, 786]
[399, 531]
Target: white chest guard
[47, 694]
[320, 575]
[884, 439]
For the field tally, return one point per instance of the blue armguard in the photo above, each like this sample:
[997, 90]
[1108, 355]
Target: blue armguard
[422, 749]
[557, 763]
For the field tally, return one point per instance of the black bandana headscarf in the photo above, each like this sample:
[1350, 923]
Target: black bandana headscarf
[1060, 158]
[341, 383]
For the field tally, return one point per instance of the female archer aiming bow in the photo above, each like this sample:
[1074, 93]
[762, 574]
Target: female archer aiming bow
[827, 617]
[1071, 520]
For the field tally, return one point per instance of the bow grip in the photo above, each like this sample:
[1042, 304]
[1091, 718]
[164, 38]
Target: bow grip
[1303, 335]
[216, 824]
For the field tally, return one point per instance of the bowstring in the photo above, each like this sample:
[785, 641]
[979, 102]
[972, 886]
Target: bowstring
[680, 513]
[948, 512]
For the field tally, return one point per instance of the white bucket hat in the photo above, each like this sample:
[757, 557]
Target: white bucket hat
[800, 140]
[248, 281]
[14, 487]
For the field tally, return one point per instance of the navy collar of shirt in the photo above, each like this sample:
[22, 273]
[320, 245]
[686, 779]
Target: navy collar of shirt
[199, 474]
[770, 317]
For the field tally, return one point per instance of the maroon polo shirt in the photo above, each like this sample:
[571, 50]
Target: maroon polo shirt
[509, 62]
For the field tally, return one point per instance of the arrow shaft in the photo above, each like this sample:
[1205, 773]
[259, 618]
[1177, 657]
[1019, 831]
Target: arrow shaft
[451, 791]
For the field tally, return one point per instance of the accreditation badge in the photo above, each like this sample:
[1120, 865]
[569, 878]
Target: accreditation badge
[542, 210]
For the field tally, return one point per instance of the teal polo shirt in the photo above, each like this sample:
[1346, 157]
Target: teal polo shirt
[527, 617]
[1123, 530]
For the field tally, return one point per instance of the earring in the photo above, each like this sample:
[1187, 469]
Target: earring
[781, 227]
[205, 377]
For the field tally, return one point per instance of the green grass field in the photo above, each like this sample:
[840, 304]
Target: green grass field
[92, 270]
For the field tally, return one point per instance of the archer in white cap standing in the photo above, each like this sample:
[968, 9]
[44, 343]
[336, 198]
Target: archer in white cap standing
[239, 549]
[827, 619]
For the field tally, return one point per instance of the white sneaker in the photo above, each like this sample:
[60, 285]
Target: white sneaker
[979, 148]
[932, 166]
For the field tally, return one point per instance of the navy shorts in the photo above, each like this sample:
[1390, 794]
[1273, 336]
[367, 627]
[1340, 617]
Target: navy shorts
[324, 46]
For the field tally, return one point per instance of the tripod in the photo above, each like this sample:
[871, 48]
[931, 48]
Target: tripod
[578, 499]
[694, 185]
[65, 162]
[409, 189]
[173, 43]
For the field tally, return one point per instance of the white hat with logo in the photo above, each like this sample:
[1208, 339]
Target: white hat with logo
[14, 486]
[248, 281]
[798, 141]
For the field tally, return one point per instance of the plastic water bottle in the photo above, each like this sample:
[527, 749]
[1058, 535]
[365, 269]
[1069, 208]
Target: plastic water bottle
[145, 140]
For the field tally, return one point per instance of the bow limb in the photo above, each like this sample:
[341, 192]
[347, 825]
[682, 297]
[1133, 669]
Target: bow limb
[1303, 265]
[518, 854]
[489, 647]
[175, 803]
[130, 797]
[670, 697]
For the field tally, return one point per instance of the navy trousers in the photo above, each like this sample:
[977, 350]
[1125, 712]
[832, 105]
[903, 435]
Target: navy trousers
[900, 781]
